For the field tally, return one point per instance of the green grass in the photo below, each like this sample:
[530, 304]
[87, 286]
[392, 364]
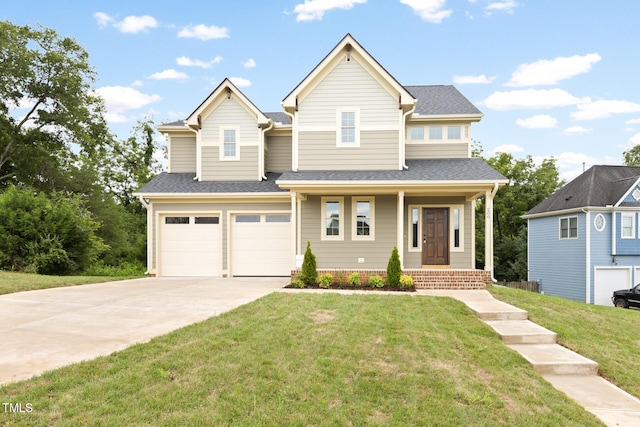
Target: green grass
[303, 359]
[17, 282]
[607, 335]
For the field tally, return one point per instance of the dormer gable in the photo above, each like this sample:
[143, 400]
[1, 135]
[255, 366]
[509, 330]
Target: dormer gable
[225, 90]
[347, 49]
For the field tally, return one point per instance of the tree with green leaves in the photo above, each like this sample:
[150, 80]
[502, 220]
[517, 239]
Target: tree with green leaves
[632, 156]
[48, 110]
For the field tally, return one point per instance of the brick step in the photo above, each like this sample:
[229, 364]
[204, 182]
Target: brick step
[553, 359]
[522, 332]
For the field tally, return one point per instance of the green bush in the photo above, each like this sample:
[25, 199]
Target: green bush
[354, 279]
[325, 280]
[298, 283]
[309, 273]
[394, 270]
[406, 281]
[340, 278]
[123, 269]
[375, 281]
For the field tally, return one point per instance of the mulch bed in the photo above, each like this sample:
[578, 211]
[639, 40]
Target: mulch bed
[357, 288]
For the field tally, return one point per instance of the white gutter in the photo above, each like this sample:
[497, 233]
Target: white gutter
[493, 194]
[403, 146]
[294, 141]
[261, 172]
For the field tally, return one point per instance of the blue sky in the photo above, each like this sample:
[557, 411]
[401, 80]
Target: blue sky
[553, 78]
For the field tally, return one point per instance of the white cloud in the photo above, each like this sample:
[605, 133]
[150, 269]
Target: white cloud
[103, 19]
[602, 109]
[481, 79]
[240, 81]
[570, 164]
[530, 99]
[135, 24]
[501, 6]
[576, 130]
[538, 122]
[204, 32]
[312, 10]
[550, 72]
[633, 122]
[188, 62]
[169, 74]
[508, 148]
[250, 63]
[120, 99]
[634, 140]
[137, 83]
[429, 10]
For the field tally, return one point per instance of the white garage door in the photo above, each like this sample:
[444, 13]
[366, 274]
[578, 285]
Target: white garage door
[261, 245]
[190, 245]
[608, 280]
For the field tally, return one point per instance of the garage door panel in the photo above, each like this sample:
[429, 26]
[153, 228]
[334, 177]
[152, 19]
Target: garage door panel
[261, 248]
[607, 280]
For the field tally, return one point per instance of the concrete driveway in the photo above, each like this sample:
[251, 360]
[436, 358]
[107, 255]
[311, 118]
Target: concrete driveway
[47, 329]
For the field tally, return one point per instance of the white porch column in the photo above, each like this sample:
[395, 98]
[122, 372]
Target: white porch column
[488, 231]
[401, 227]
[294, 228]
[299, 228]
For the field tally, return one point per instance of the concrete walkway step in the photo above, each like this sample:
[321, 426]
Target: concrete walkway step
[614, 406]
[496, 310]
[553, 359]
[522, 332]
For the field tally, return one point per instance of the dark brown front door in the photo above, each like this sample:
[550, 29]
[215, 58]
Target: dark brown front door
[435, 236]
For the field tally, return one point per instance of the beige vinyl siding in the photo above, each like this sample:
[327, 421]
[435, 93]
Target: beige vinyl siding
[445, 150]
[464, 259]
[345, 253]
[223, 208]
[230, 113]
[245, 169]
[278, 154]
[183, 154]
[318, 151]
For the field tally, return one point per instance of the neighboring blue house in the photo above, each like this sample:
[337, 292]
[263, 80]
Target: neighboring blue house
[584, 239]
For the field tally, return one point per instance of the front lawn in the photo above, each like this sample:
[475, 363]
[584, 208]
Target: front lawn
[307, 359]
[607, 335]
[17, 282]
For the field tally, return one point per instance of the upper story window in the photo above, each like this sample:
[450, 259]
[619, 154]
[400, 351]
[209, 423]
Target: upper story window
[435, 132]
[454, 132]
[363, 221]
[569, 227]
[628, 225]
[417, 133]
[332, 226]
[348, 134]
[229, 149]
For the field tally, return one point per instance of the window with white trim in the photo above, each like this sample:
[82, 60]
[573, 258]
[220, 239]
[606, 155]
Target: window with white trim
[229, 149]
[454, 132]
[435, 132]
[456, 228]
[332, 218]
[417, 133]
[415, 228]
[363, 218]
[569, 227]
[628, 228]
[348, 127]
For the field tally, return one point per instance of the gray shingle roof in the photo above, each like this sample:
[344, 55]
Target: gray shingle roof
[599, 186]
[279, 117]
[473, 169]
[184, 183]
[436, 100]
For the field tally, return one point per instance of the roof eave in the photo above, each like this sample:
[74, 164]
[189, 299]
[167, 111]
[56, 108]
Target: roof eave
[439, 117]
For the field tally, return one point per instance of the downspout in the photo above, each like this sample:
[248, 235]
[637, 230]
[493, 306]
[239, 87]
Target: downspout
[294, 142]
[588, 255]
[197, 177]
[403, 149]
[146, 206]
[493, 269]
[261, 149]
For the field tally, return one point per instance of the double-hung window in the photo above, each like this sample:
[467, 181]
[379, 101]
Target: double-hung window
[363, 218]
[229, 149]
[348, 127]
[628, 225]
[332, 219]
[569, 227]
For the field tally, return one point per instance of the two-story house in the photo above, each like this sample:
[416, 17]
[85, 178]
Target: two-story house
[584, 239]
[355, 164]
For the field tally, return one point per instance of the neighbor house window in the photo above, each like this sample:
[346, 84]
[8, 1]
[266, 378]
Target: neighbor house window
[569, 227]
[453, 132]
[417, 133]
[435, 132]
[332, 227]
[229, 149]
[362, 224]
[415, 228]
[628, 225]
[348, 134]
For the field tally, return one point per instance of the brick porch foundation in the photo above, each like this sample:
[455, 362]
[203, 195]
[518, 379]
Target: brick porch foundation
[424, 278]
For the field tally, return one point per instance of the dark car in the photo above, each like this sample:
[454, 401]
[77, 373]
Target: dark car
[627, 297]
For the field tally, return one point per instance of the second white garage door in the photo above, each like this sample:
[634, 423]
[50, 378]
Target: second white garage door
[261, 245]
[607, 280]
